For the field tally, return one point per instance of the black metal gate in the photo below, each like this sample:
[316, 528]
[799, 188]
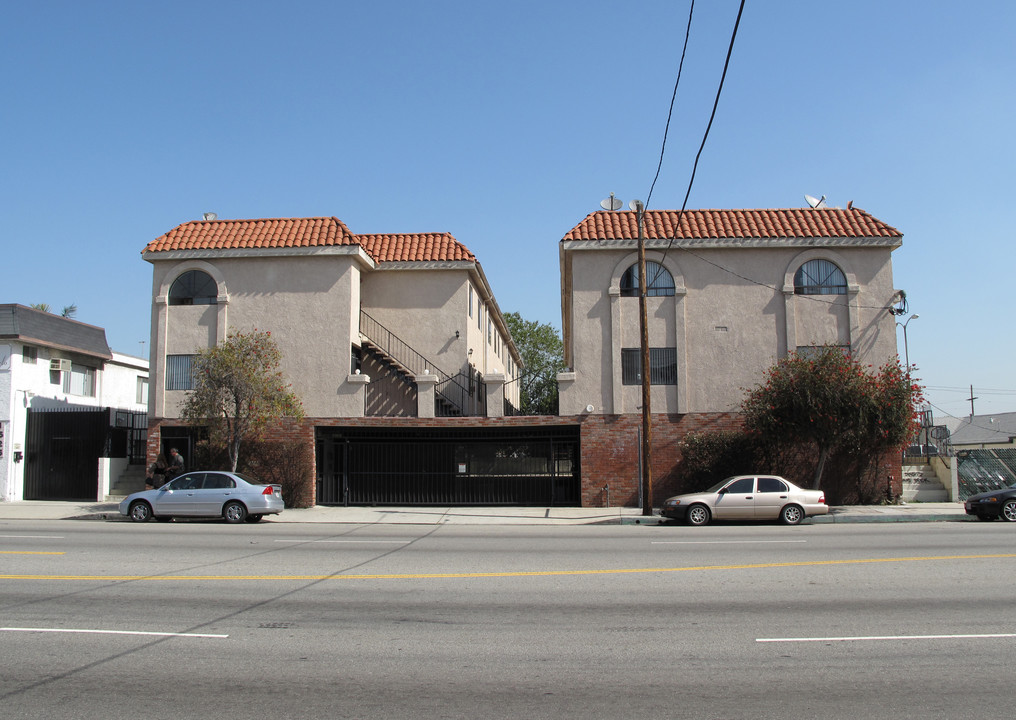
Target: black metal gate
[62, 451]
[536, 466]
[63, 447]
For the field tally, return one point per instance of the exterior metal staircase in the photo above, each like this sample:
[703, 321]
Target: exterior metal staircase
[407, 362]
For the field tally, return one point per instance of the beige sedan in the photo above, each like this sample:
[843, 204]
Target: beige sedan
[747, 497]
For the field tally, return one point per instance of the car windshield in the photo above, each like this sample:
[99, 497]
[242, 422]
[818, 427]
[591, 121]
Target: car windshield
[720, 484]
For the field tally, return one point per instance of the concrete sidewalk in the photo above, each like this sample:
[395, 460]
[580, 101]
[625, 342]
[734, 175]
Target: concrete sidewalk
[917, 512]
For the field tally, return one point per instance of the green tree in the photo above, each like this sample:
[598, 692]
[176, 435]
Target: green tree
[829, 401]
[542, 353]
[239, 390]
[69, 311]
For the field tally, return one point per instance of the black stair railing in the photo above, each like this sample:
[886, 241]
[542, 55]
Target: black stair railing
[450, 393]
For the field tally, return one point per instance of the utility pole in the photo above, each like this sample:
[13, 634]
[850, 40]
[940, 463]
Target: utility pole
[647, 429]
[972, 398]
[645, 440]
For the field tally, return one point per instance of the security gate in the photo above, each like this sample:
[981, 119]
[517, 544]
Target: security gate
[62, 451]
[448, 466]
[63, 447]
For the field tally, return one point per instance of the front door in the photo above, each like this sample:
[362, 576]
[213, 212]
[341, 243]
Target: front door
[181, 496]
[736, 501]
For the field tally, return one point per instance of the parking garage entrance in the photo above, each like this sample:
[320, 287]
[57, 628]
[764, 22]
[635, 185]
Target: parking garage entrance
[524, 466]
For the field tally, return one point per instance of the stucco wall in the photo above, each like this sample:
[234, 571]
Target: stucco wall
[304, 301]
[424, 308]
[733, 315]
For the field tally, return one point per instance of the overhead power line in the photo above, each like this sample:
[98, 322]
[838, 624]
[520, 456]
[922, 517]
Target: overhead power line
[666, 129]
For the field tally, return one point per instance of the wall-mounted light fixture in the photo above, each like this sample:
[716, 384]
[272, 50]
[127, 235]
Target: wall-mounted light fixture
[470, 353]
[456, 334]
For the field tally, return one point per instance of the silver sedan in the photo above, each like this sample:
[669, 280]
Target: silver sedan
[747, 497]
[229, 495]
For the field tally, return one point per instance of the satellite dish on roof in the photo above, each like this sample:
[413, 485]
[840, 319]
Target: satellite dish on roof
[210, 216]
[818, 203]
[611, 203]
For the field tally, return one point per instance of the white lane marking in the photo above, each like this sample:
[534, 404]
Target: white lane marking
[886, 637]
[302, 542]
[111, 632]
[43, 537]
[722, 542]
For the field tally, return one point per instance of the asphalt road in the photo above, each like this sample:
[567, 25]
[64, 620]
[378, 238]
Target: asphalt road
[351, 621]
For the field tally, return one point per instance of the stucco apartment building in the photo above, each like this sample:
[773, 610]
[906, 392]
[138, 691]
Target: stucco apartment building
[407, 372]
[72, 411]
[730, 292]
[394, 342]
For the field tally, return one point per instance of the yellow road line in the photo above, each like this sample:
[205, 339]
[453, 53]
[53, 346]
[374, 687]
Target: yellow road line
[28, 552]
[508, 574]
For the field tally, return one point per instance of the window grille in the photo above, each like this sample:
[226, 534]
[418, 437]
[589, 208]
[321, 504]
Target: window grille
[662, 366]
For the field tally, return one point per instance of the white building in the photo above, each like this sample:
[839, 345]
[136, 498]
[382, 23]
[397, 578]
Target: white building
[53, 370]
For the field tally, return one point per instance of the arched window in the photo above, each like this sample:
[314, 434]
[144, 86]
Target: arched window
[193, 287]
[820, 277]
[658, 281]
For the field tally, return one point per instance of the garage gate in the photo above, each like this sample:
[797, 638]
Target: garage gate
[536, 467]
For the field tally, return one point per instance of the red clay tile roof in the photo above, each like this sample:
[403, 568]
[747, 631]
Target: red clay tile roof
[307, 232]
[414, 247]
[792, 223]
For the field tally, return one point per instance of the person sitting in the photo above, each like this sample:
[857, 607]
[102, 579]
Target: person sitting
[157, 473]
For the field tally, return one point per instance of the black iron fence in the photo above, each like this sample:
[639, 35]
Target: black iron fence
[416, 466]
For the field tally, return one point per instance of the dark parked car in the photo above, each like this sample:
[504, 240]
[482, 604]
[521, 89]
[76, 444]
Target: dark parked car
[229, 495]
[994, 504]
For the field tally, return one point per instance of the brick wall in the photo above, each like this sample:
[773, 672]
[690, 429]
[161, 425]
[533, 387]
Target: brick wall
[609, 447]
[610, 454]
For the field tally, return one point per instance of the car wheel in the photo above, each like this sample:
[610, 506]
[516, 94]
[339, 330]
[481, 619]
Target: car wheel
[791, 515]
[254, 518]
[234, 512]
[985, 518]
[140, 511]
[698, 515]
[1009, 510]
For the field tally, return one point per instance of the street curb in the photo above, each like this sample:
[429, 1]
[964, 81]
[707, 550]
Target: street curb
[846, 519]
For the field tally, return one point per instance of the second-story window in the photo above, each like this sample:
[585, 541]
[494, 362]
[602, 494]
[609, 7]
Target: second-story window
[662, 366]
[79, 381]
[179, 372]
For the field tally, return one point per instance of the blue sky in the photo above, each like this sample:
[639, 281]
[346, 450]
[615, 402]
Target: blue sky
[505, 124]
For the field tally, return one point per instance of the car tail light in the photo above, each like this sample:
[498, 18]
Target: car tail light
[821, 499]
[268, 491]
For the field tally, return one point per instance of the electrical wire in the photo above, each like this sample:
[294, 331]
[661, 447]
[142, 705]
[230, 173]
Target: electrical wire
[666, 130]
[691, 181]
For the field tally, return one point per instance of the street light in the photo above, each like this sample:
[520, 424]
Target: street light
[906, 350]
